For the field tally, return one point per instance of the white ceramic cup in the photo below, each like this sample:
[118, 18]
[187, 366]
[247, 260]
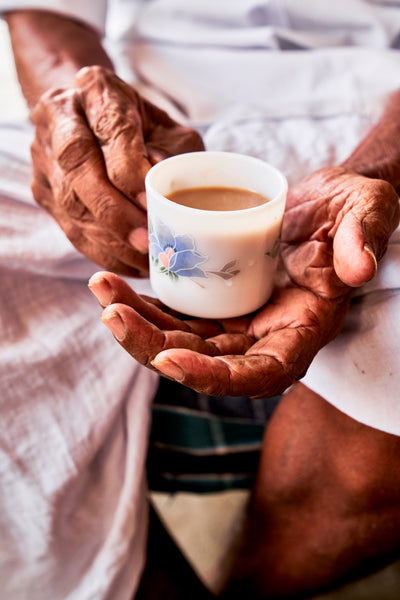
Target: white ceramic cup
[214, 264]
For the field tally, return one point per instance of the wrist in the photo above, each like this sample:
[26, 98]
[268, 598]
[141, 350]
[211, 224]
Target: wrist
[378, 155]
[382, 163]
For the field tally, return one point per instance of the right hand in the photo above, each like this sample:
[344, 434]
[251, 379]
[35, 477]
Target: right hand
[93, 146]
[337, 223]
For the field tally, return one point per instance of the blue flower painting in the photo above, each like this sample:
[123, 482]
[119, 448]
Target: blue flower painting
[175, 255]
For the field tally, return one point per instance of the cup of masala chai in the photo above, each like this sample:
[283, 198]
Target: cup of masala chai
[214, 223]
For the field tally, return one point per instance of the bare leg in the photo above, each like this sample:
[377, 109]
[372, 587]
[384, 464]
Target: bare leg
[326, 504]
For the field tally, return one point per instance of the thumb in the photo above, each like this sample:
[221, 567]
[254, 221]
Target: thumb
[363, 234]
[353, 258]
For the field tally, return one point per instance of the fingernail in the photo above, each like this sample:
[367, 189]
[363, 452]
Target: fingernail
[102, 290]
[168, 368]
[368, 249]
[139, 239]
[115, 324]
[142, 199]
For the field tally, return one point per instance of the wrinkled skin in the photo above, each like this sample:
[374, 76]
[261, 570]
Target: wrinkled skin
[93, 146]
[330, 217]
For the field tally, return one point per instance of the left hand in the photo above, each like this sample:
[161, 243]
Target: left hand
[337, 224]
[93, 145]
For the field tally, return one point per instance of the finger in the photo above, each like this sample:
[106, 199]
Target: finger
[81, 161]
[268, 368]
[164, 136]
[169, 141]
[143, 340]
[363, 234]
[104, 256]
[232, 343]
[41, 192]
[205, 328]
[271, 364]
[113, 111]
[254, 376]
[380, 217]
[109, 288]
[353, 260]
[109, 243]
[100, 249]
[56, 197]
[110, 209]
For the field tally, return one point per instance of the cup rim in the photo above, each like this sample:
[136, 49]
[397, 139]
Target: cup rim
[185, 209]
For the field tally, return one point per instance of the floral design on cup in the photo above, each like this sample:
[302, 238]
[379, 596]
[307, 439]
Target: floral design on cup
[175, 255]
[273, 253]
[228, 271]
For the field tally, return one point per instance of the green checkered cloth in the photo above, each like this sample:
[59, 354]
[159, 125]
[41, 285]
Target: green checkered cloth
[204, 444]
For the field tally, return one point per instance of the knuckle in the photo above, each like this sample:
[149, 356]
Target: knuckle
[57, 96]
[73, 232]
[60, 129]
[36, 148]
[385, 190]
[73, 151]
[109, 123]
[106, 211]
[110, 104]
[89, 73]
[72, 206]
[41, 195]
[40, 180]
[115, 119]
[52, 101]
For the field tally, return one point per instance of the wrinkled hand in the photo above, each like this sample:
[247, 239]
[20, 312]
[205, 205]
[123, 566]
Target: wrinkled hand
[93, 146]
[337, 224]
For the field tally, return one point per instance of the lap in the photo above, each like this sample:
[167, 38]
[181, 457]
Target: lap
[204, 444]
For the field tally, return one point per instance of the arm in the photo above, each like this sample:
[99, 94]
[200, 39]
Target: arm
[378, 155]
[337, 225]
[49, 50]
[95, 138]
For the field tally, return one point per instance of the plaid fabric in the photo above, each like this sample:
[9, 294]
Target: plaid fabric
[202, 443]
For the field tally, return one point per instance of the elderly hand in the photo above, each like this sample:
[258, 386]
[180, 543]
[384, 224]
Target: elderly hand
[93, 146]
[337, 224]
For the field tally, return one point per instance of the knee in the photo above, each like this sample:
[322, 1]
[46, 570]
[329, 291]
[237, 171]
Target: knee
[367, 472]
[326, 486]
[355, 475]
[317, 454]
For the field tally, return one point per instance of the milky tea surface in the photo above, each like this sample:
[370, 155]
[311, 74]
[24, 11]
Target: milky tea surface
[217, 198]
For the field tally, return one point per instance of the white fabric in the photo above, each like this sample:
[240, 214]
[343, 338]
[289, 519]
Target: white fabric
[210, 62]
[296, 83]
[74, 412]
[91, 12]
